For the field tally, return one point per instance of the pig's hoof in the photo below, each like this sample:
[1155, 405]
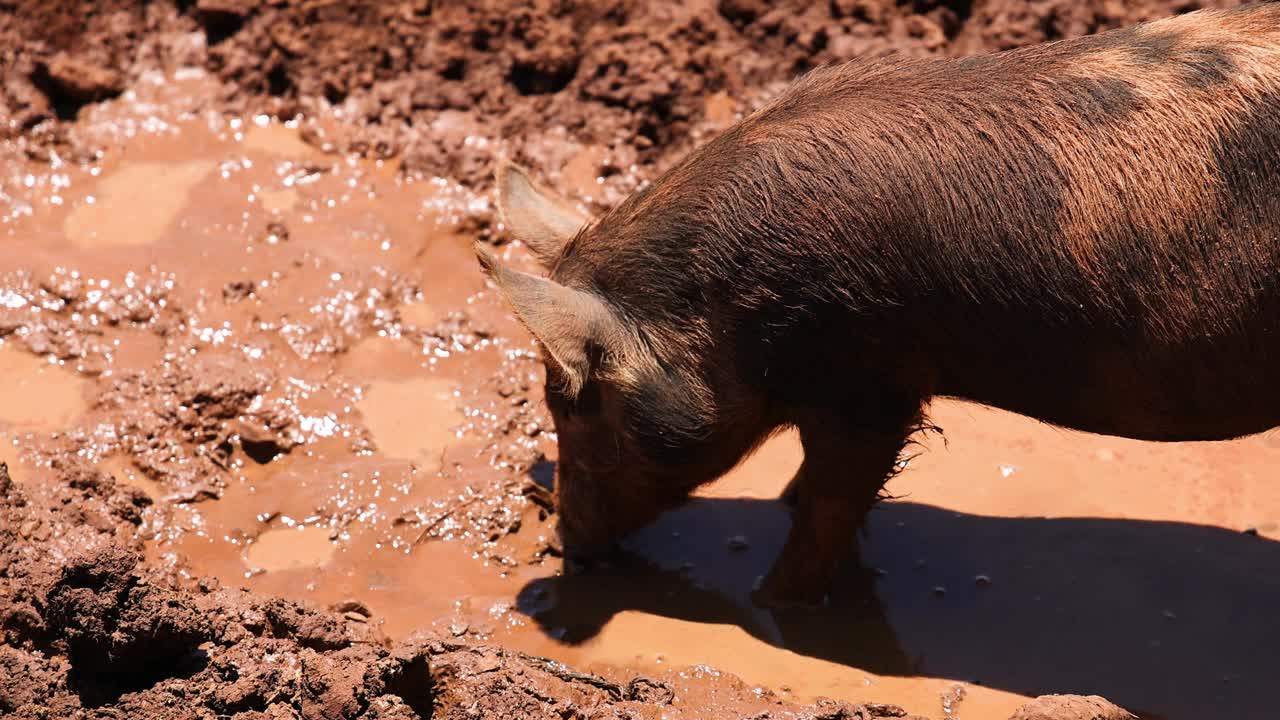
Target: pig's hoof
[580, 559]
[583, 564]
[774, 595]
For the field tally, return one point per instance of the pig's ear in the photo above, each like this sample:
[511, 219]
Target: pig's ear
[569, 323]
[536, 216]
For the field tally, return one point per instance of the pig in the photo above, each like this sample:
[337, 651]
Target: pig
[1085, 232]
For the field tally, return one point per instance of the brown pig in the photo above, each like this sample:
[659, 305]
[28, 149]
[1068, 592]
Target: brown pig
[1086, 232]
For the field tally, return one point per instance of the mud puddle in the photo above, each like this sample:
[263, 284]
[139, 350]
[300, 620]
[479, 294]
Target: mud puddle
[300, 366]
[337, 411]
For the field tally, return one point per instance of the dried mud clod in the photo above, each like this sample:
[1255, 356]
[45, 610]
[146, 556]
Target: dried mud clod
[72, 82]
[480, 681]
[109, 633]
[180, 424]
[62, 315]
[1071, 707]
[86, 510]
[113, 622]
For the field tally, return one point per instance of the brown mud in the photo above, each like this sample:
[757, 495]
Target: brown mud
[274, 449]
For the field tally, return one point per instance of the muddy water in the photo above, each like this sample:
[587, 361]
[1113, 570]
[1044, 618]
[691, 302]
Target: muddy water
[1018, 559]
[38, 395]
[135, 204]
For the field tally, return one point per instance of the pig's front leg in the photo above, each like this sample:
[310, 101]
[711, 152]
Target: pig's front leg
[838, 483]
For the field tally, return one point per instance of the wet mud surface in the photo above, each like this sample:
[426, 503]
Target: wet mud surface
[273, 448]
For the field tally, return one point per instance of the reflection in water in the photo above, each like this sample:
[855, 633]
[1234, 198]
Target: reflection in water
[412, 419]
[853, 630]
[272, 138]
[126, 473]
[1174, 619]
[37, 395]
[135, 204]
[289, 548]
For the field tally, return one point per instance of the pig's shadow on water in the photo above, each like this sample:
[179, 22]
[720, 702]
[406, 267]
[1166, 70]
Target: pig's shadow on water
[1171, 619]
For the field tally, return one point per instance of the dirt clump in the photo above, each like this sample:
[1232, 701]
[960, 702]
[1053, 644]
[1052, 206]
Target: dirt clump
[178, 425]
[78, 81]
[478, 681]
[67, 300]
[1071, 707]
[87, 512]
[112, 621]
[108, 631]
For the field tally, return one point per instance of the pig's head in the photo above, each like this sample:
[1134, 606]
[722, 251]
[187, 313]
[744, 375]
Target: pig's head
[636, 434]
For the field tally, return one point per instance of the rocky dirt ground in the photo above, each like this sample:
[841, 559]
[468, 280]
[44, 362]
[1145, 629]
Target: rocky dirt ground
[160, 394]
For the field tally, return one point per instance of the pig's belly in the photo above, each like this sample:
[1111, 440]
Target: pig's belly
[1171, 396]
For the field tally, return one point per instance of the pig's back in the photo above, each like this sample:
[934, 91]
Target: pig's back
[1085, 231]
